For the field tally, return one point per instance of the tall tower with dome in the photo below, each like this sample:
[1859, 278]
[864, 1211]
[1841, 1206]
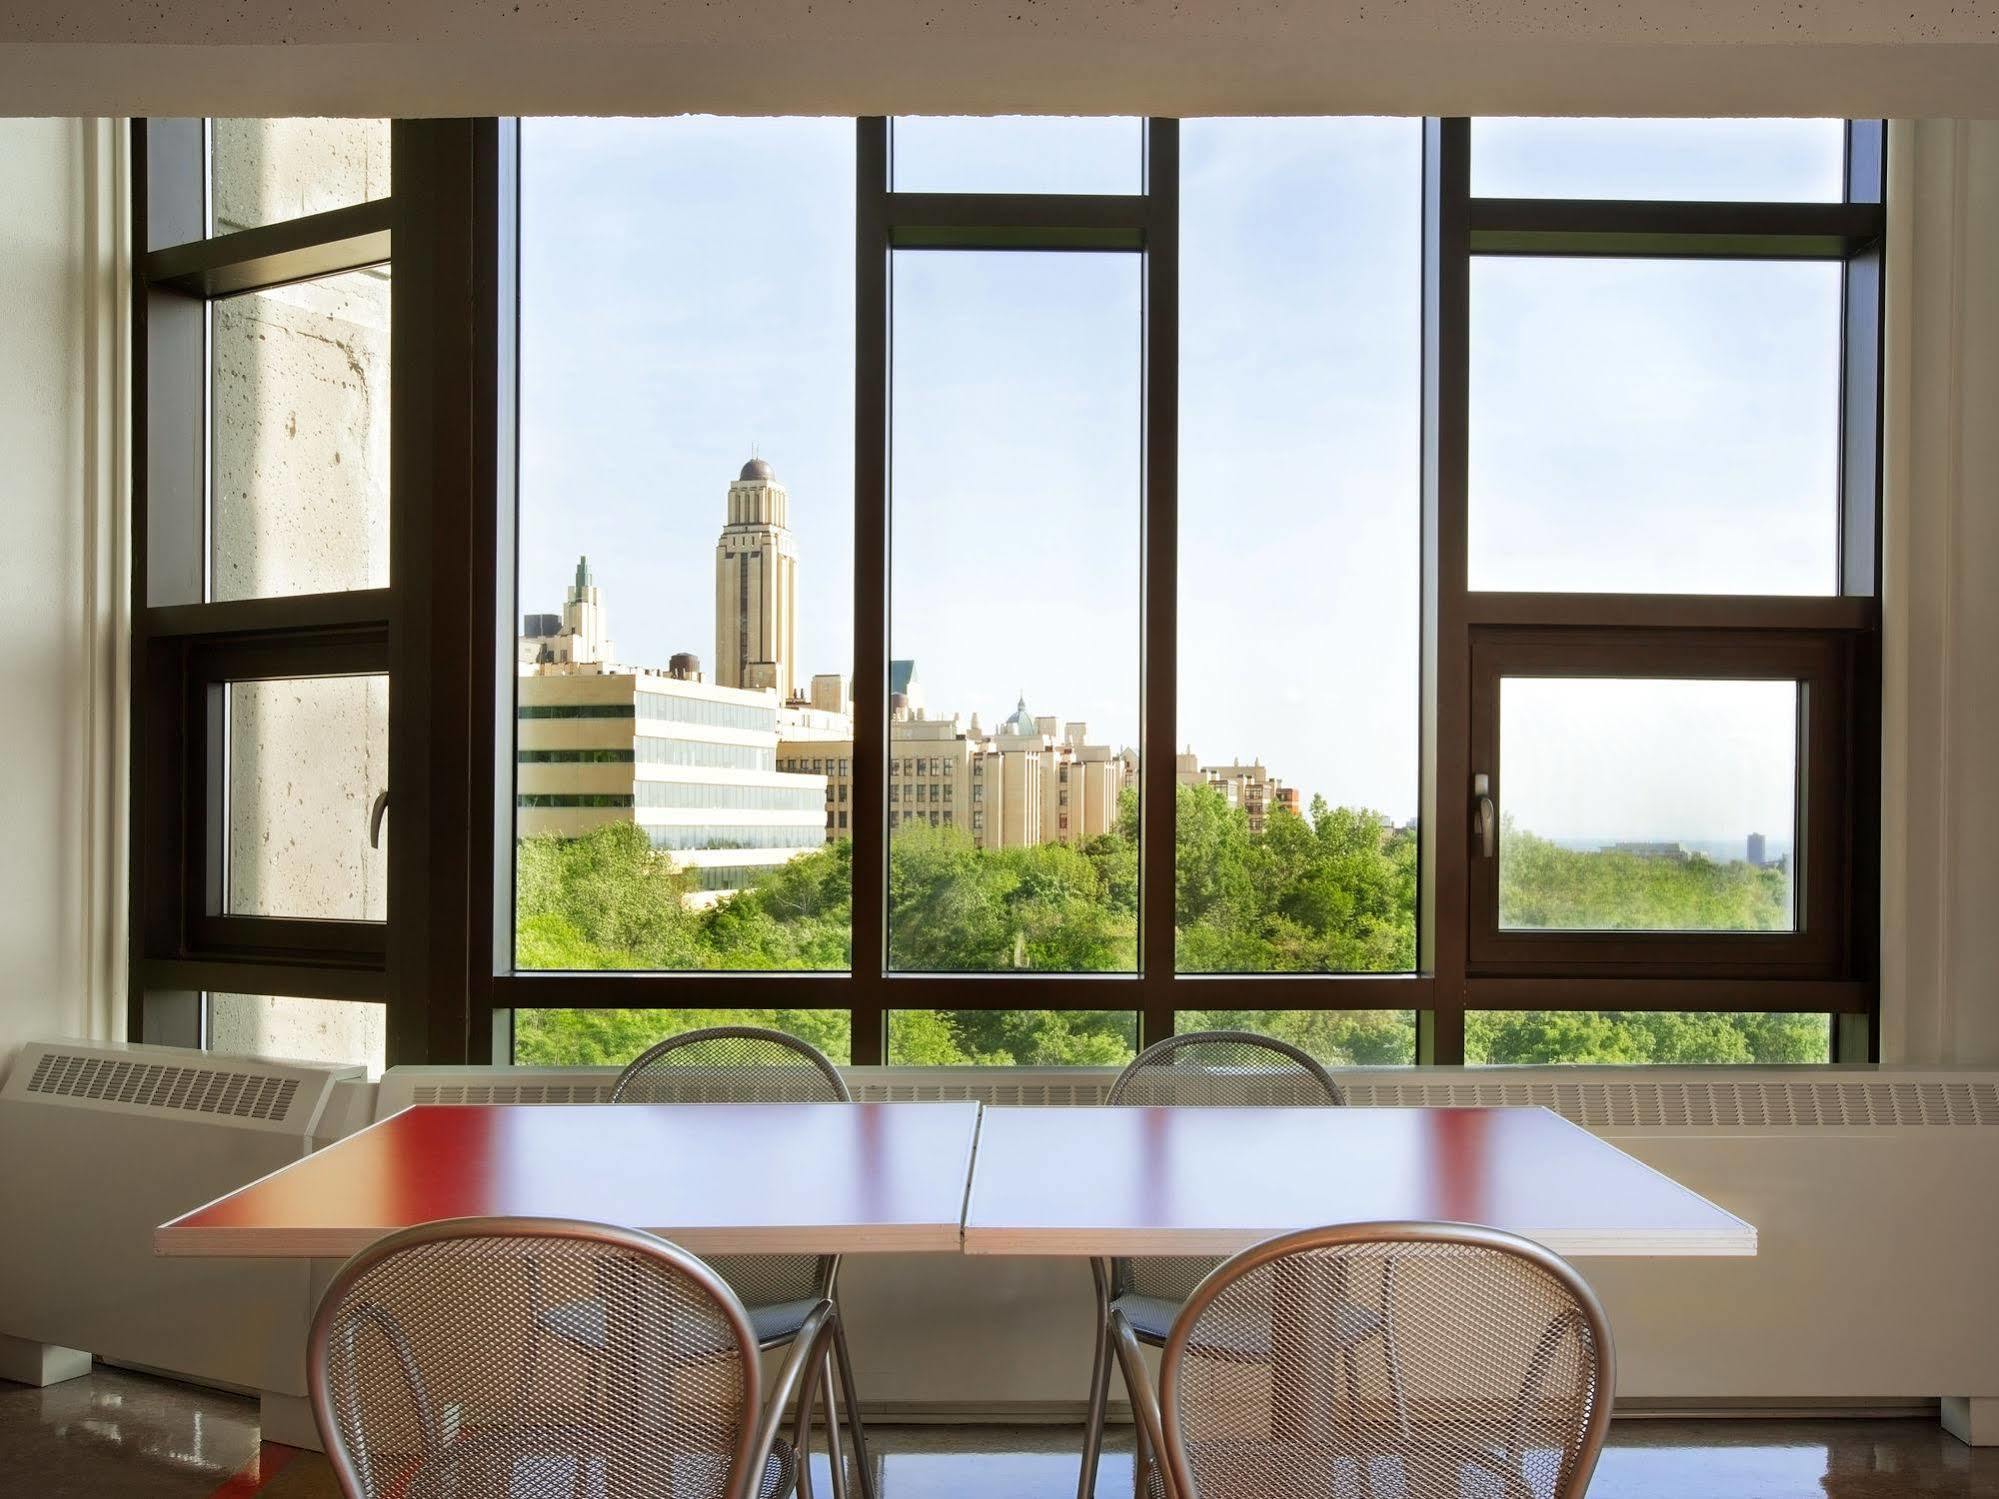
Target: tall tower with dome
[756, 586]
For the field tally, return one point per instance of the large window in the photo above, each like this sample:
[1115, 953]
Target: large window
[1005, 590]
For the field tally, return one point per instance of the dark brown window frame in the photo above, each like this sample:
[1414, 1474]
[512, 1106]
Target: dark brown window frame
[187, 648]
[447, 974]
[1651, 634]
[1816, 948]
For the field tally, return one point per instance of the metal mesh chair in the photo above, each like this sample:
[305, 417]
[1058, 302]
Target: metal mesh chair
[1202, 1069]
[1494, 1378]
[433, 1375]
[749, 1064]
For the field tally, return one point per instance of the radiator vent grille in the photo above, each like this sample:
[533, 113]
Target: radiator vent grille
[498, 1092]
[161, 1086]
[1765, 1102]
[1032, 1092]
[1832, 1102]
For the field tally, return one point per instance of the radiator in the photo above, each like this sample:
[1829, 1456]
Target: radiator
[99, 1144]
[1874, 1191]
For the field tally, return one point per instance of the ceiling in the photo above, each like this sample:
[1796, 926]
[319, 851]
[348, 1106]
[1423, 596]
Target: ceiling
[1187, 57]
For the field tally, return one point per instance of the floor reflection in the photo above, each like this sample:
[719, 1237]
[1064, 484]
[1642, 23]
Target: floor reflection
[114, 1433]
[125, 1436]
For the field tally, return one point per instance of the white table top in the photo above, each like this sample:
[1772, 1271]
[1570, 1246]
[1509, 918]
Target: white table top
[722, 1178]
[1200, 1181]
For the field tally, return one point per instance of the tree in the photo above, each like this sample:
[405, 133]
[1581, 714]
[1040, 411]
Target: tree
[1332, 891]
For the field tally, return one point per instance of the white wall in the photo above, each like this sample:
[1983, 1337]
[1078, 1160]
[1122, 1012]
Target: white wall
[62, 579]
[1940, 708]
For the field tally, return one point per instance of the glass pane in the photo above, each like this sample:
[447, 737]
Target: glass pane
[1018, 154]
[1338, 1038]
[1299, 461]
[679, 388]
[306, 757]
[266, 171]
[1013, 797]
[299, 441]
[1648, 805]
[611, 1038]
[1654, 426]
[287, 1028]
[1717, 160]
[1521, 1037]
[1003, 1038]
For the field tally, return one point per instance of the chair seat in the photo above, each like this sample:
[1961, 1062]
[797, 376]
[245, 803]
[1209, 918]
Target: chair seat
[582, 1322]
[1151, 1318]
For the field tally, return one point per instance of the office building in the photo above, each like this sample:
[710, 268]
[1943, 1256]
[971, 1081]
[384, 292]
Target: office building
[1028, 782]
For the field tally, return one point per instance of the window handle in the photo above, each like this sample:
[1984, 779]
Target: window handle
[1484, 823]
[375, 816]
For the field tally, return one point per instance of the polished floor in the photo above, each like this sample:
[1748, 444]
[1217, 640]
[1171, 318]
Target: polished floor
[115, 1435]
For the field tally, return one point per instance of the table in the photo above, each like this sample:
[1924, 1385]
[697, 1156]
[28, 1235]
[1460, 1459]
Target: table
[723, 1178]
[1204, 1181]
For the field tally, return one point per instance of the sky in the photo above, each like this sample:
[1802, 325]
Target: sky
[687, 297]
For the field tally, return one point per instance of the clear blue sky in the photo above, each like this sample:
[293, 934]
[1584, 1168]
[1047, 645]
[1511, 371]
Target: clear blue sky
[687, 291]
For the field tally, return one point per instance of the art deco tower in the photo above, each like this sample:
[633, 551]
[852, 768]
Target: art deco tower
[756, 586]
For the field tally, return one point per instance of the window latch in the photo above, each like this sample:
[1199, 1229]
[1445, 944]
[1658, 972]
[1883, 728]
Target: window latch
[1484, 824]
[375, 816]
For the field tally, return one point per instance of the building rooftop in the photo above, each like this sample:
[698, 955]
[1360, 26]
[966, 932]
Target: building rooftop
[1022, 722]
[756, 468]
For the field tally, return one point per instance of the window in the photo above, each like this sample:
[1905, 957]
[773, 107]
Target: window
[1337, 1038]
[262, 673]
[1026, 1038]
[308, 1030]
[1671, 503]
[305, 758]
[1306, 230]
[1757, 161]
[1539, 1037]
[1633, 805]
[1015, 392]
[1018, 154]
[299, 448]
[1619, 767]
[271, 171]
[1655, 426]
[602, 1038]
[685, 539]
[1406, 587]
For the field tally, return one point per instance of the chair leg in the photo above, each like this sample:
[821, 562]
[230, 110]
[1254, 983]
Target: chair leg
[863, 1465]
[801, 1434]
[835, 1458]
[1093, 1420]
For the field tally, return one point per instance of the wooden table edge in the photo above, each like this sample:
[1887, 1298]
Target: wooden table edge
[1083, 1243]
[194, 1242]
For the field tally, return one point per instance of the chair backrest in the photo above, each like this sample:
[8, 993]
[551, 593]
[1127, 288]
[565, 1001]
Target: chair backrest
[1224, 1069]
[434, 1370]
[743, 1064]
[731, 1064]
[1427, 1360]
[1211, 1069]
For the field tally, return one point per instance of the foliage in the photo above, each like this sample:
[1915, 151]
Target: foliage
[1543, 885]
[1332, 891]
